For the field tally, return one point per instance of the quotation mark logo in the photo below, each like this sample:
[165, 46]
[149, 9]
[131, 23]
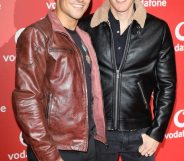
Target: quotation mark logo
[178, 31]
[17, 34]
[21, 139]
[176, 119]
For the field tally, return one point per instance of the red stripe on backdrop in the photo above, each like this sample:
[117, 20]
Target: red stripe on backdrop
[17, 14]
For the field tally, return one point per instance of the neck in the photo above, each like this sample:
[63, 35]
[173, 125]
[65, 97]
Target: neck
[68, 22]
[123, 17]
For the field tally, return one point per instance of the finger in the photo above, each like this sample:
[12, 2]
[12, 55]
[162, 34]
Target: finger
[145, 151]
[146, 155]
[146, 148]
[150, 153]
[142, 148]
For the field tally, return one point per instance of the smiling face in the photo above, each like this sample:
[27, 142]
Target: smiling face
[73, 9]
[121, 6]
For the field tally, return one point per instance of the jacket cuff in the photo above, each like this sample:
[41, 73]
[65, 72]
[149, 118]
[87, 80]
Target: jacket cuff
[158, 136]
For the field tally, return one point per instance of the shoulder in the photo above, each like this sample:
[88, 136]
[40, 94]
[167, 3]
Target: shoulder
[41, 28]
[155, 21]
[159, 26]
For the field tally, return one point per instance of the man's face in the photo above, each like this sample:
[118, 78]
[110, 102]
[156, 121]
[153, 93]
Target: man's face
[73, 9]
[121, 6]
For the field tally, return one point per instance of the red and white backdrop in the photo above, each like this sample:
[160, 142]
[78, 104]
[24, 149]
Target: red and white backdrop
[15, 15]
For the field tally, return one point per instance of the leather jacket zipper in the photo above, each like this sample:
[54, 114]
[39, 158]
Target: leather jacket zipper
[86, 93]
[116, 113]
[115, 110]
[143, 96]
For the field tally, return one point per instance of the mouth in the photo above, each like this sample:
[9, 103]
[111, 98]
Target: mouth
[78, 5]
[119, 1]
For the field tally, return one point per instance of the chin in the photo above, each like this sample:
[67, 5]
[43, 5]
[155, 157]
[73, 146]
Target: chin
[77, 17]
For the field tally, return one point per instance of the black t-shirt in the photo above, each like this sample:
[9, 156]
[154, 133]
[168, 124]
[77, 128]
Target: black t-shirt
[87, 68]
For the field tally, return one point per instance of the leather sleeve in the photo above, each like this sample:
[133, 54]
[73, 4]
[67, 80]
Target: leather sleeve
[29, 94]
[165, 87]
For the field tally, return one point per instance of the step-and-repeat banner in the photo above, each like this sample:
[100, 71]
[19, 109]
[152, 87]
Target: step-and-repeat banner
[15, 15]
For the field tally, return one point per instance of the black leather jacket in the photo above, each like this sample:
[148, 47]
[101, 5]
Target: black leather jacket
[148, 66]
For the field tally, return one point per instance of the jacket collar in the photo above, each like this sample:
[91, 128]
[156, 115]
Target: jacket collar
[101, 14]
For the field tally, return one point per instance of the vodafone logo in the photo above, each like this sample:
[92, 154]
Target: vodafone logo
[21, 155]
[17, 34]
[154, 3]
[3, 109]
[178, 31]
[0, 6]
[176, 118]
[179, 133]
[9, 58]
[21, 139]
[51, 5]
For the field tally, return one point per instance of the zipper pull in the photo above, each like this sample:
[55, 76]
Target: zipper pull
[117, 74]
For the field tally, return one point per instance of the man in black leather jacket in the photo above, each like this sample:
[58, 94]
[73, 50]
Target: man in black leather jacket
[136, 58]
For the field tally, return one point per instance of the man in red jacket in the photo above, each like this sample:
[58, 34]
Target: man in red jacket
[58, 98]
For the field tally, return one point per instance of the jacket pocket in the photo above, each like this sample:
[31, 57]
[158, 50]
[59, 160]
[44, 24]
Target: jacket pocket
[49, 106]
[143, 95]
